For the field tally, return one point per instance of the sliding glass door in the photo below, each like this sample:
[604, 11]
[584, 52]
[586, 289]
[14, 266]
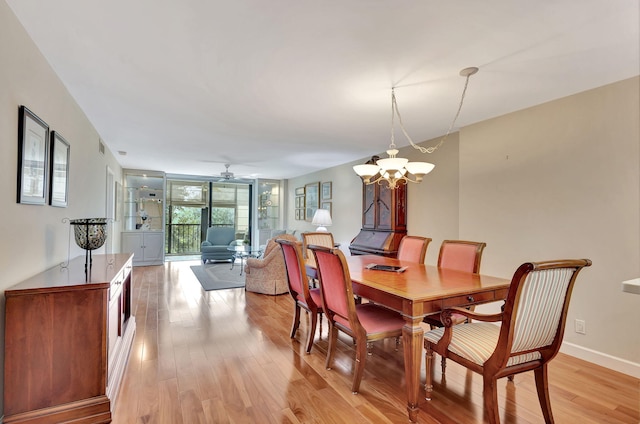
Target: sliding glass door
[193, 206]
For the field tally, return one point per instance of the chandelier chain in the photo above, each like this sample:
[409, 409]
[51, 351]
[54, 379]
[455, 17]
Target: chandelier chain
[396, 111]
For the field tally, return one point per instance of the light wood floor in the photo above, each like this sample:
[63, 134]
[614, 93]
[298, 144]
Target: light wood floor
[226, 357]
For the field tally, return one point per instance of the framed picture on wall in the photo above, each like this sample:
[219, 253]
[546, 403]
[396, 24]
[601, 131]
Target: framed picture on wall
[300, 191]
[327, 206]
[312, 199]
[33, 158]
[326, 190]
[59, 175]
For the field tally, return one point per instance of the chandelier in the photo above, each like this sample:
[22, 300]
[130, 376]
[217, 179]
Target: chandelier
[395, 170]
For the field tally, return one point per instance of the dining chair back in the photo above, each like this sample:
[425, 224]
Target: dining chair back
[461, 255]
[319, 238]
[413, 249]
[457, 255]
[529, 335]
[365, 322]
[303, 297]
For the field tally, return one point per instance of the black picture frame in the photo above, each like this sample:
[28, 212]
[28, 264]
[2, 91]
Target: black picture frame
[59, 174]
[33, 158]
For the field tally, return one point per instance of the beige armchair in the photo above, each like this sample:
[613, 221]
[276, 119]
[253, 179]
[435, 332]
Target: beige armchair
[268, 274]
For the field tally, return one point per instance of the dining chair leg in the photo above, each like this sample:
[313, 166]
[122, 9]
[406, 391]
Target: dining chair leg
[361, 357]
[443, 365]
[490, 395]
[312, 330]
[542, 386]
[333, 339]
[296, 321]
[428, 360]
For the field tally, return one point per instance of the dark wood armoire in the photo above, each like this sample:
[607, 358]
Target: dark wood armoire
[384, 220]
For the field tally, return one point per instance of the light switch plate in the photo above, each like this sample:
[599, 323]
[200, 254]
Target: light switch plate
[631, 286]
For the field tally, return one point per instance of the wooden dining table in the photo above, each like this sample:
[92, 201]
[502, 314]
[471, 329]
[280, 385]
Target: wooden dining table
[419, 291]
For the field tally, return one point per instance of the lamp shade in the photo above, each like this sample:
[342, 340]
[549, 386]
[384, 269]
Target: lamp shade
[366, 170]
[322, 218]
[392, 163]
[419, 168]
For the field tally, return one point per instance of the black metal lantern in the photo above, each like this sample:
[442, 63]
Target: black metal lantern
[90, 234]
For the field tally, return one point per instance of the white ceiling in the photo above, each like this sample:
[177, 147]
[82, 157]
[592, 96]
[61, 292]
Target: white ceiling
[281, 88]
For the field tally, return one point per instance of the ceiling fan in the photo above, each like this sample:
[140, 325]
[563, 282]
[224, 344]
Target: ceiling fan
[228, 176]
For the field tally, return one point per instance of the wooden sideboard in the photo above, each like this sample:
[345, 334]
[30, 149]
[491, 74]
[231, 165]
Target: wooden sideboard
[67, 341]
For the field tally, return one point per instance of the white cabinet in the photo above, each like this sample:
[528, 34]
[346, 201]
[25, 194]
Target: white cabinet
[147, 246]
[143, 200]
[143, 204]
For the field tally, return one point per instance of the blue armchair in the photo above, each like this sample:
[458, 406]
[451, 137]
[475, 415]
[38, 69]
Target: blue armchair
[214, 248]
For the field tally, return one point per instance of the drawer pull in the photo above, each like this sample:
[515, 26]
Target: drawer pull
[470, 298]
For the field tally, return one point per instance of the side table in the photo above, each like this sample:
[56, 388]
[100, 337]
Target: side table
[242, 252]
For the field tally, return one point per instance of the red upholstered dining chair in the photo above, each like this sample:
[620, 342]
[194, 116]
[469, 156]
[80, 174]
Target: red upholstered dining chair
[366, 322]
[304, 298]
[413, 249]
[461, 255]
[528, 337]
[457, 255]
[319, 238]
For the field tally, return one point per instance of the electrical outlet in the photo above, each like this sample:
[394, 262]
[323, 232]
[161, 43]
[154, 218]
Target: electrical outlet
[581, 326]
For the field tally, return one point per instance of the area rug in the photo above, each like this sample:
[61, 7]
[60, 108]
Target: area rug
[218, 276]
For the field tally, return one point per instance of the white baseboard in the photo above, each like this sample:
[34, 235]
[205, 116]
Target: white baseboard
[604, 360]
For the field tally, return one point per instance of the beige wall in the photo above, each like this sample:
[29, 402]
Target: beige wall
[433, 205]
[562, 180]
[34, 238]
[559, 180]
[346, 197]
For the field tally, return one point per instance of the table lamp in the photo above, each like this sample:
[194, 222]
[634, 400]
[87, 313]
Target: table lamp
[322, 218]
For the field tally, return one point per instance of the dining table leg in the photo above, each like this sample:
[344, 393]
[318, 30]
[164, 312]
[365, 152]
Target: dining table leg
[412, 339]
